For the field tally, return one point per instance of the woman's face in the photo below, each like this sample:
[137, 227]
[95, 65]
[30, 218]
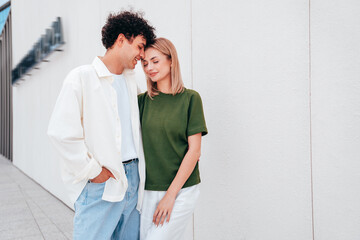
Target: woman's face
[156, 65]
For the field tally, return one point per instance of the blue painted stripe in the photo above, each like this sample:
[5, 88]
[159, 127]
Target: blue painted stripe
[3, 17]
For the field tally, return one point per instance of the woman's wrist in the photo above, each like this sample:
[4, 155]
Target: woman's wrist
[171, 193]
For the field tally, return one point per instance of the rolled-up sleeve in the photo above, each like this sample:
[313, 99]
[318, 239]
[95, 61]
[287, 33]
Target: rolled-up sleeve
[67, 134]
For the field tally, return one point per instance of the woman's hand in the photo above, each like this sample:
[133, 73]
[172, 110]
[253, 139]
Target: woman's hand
[164, 209]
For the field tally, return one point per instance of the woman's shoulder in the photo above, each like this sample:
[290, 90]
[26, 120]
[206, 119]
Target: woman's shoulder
[142, 98]
[142, 95]
[191, 93]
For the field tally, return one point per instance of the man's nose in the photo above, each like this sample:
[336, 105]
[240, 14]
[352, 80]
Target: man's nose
[142, 54]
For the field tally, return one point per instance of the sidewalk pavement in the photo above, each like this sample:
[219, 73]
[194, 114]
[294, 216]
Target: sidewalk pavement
[28, 211]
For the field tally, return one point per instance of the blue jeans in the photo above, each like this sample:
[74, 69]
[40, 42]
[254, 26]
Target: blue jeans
[102, 220]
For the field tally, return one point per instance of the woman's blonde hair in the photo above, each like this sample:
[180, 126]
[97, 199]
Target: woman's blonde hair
[166, 47]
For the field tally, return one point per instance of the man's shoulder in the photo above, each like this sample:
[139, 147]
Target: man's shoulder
[78, 73]
[83, 69]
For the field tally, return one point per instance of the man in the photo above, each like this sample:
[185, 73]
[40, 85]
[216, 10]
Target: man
[95, 128]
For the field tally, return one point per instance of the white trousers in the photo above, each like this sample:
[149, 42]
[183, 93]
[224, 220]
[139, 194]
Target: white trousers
[180, 216]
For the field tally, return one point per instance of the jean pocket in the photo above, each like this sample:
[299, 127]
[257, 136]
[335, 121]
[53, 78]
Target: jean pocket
[94, 191]
[90, 182]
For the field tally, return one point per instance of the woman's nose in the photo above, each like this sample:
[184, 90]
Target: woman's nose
[149, 66]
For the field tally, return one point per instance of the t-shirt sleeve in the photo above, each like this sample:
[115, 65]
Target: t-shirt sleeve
[196, 119]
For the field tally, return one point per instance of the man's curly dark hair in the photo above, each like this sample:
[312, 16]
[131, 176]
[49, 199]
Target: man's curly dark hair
[129, 23]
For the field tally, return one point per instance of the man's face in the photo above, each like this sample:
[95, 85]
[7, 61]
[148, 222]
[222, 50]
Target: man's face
[133, 51]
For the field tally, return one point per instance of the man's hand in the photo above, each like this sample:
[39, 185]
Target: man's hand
[103, 176]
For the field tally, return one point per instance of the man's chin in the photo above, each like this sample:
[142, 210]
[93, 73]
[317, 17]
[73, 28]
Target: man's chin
[132, 67]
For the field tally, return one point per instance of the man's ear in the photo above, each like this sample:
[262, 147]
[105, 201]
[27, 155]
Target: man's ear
[120, 39]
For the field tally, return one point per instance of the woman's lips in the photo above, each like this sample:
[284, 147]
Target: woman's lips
[152, 74]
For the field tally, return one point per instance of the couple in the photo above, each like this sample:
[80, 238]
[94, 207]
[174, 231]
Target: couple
[96, 129]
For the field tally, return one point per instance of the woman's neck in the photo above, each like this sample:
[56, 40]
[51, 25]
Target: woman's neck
[164, 86]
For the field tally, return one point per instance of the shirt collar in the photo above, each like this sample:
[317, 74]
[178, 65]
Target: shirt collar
[103, 72]
[100, 68]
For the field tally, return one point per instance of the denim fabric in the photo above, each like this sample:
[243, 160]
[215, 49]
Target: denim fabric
[98, 219]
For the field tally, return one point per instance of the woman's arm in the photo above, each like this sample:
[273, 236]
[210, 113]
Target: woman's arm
[187, 166]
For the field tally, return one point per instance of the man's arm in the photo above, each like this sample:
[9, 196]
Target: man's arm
[67, 134]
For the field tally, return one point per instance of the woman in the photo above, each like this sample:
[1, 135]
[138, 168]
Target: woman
[172, 125]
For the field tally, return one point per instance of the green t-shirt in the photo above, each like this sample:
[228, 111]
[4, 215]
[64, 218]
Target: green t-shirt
[166, 122]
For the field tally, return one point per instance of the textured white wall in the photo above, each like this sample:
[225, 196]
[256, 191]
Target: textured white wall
[250, 61]
[335, 74]
[251, 67]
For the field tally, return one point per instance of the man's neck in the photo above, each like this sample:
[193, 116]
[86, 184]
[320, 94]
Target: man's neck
[112, 64]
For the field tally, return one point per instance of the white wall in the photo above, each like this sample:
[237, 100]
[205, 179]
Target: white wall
[251, 66]
[250, 61]
[335, 75]
[34, 98]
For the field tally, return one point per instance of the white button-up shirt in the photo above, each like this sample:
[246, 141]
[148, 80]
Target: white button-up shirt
[86, 130]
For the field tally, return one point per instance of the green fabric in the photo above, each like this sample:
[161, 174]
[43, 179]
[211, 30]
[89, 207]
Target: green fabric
[166, 122]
